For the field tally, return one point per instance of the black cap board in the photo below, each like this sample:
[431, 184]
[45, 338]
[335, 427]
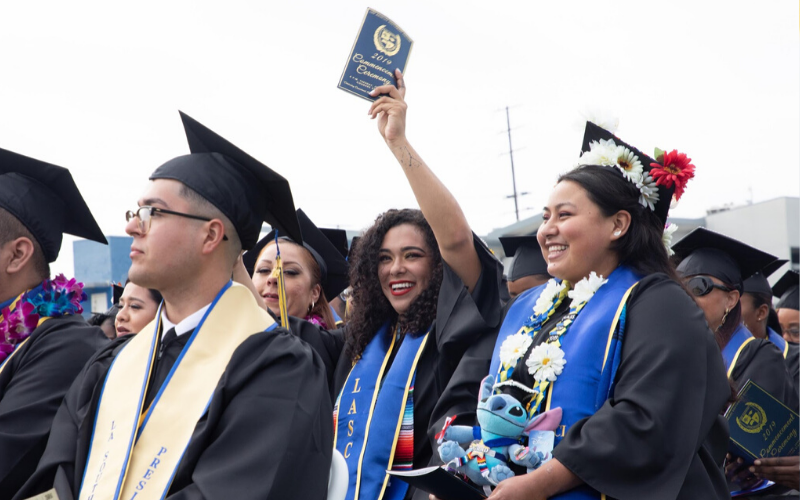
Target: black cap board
[117, 291]
[339, 239]
[758, 283]
[333, 267]
[594, 133]
[241, 187]
[45, 199]
[527, 253]
[703, 251]
[788, 290]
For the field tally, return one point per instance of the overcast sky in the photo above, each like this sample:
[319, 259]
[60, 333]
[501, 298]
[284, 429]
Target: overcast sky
[95, 87]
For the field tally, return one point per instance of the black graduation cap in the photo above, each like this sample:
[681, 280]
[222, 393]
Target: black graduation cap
[333, 266]
[527, 253]
[45, 199]
[117, 293]
[595, 133]
[788, 290]
[705, 252]
[241, 187]
[758, 283]
[339, 239]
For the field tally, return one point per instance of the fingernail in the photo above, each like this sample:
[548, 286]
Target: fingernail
[757, 462]
[373, 91]
[752, 469]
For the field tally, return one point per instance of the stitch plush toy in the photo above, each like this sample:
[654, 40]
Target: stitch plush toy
[502, 424]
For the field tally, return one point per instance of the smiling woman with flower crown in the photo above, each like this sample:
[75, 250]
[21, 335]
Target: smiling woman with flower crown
[615, 342]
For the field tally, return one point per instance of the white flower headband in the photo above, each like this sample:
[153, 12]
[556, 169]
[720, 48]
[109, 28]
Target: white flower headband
[606, 153]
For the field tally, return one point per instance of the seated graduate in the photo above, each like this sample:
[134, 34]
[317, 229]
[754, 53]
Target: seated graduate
[614, 341]
[137, 306]
[44, 340]
[713, 268]
[424, 288]
[211, 400]
[789, 318]
[313, 271]
[528, 269]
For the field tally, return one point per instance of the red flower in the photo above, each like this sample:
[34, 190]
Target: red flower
[676, 169]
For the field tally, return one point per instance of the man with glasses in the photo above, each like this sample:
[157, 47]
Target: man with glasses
[212, 399]
[44, 341]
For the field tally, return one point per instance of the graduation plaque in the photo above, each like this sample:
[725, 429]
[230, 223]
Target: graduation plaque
[761, 426]
[380, 47]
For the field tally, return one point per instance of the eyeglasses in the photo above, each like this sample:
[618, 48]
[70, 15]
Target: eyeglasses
[144, 215]
[703, 285]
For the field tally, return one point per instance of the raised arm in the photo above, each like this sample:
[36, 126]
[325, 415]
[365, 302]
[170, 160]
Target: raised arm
[437, 203]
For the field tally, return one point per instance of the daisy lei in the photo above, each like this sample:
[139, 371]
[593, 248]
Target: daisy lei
[546, 361]
[56, 297]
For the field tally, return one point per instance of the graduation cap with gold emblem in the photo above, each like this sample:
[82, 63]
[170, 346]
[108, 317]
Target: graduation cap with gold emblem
[245, 190]
[45, 199]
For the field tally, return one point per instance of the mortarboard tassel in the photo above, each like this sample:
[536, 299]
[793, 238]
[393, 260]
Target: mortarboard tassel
[278, 273]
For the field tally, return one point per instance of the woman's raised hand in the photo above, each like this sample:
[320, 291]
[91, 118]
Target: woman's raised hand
[390, 110]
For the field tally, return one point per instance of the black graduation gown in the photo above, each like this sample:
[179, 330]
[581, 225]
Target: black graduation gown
[267, 432]
[793, 363]
[661, 435]
[327, 344]
[461, 320]
[32, 386]
[762, 362]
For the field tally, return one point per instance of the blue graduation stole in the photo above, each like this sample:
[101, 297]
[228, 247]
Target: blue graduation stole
[592, 347]
[370, 412]
[779, 341]
[730, 353]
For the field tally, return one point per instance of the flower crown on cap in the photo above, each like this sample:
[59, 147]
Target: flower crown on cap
[657, 180]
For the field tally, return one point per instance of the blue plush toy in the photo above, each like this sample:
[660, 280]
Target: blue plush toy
[503, 424]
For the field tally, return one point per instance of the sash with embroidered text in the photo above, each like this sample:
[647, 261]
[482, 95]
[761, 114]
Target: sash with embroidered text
[135, 456]
[374, 416]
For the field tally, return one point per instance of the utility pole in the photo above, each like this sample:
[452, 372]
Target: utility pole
[513, 175]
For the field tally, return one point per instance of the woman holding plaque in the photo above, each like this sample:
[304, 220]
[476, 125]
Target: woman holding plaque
[425, 288]
[614, 341]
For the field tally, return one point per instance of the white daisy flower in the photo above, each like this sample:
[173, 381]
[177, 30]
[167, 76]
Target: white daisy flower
[648, 192]
[546, 362]
[666, 237]
[600, 153]
[586, 288]
[629, 164]
[547, 297]
[514, 347]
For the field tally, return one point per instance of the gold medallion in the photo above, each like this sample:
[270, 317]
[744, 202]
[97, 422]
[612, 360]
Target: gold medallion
[386, 41]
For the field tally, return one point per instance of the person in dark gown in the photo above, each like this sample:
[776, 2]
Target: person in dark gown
[643, 383]
[424, 289]
[713, 267]
[788, 290]
[44, 343]
[260, 429]
[761, 319]
[528, 268]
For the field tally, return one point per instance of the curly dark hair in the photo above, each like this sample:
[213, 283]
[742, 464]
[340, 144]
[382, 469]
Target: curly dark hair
[372, 309]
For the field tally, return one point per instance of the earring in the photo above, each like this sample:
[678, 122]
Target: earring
[617, 232]
[724, 317]
[311, 307]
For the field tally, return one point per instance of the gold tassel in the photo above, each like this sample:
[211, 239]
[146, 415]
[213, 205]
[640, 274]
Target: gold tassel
[278, 273]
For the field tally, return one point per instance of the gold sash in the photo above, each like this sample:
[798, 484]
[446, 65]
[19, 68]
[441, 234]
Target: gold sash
[118, 468]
